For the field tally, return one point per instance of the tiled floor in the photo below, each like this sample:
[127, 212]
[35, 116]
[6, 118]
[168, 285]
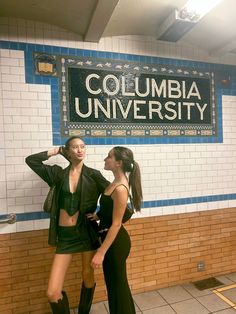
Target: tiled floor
[183, 299]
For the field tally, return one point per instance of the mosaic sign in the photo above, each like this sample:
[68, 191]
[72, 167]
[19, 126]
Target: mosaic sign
[103, 98]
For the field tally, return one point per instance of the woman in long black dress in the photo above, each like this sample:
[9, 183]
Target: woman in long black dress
[116, 244]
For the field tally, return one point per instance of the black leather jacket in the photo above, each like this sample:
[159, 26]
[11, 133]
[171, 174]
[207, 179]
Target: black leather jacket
[92, 185]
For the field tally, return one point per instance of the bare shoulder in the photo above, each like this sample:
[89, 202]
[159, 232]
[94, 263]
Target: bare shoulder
[121, 189]
[120, 194]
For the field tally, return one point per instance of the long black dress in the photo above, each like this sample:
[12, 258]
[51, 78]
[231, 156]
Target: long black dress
[114, 265]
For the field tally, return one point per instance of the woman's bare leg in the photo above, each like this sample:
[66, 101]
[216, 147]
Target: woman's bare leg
[87, 270]
[59, 268]
[88, 284]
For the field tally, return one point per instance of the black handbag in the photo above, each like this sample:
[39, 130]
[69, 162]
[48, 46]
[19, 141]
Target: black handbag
[93, 231]
[49, 202]
[129, 211]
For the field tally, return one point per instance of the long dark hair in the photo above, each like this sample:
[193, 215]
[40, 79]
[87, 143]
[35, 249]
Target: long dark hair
[132, 167]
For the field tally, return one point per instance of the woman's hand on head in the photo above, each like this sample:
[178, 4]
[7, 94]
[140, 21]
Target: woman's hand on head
[53, 151]
[62, 151]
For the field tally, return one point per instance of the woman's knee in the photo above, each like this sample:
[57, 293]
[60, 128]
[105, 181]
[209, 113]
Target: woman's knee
[88, 277]
[54, 295]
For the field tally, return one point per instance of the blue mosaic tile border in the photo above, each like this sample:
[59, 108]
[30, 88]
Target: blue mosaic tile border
[29, 49]
[146, 204]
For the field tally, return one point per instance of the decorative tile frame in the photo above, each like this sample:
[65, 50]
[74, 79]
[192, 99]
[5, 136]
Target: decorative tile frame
[138, 129]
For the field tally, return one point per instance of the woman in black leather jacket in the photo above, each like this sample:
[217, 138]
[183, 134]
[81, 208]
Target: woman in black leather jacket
[78, 188]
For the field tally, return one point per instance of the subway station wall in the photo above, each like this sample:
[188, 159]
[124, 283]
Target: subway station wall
[189, 186]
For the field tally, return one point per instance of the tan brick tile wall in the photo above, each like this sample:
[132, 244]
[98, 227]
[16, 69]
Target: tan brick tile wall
[165, 252]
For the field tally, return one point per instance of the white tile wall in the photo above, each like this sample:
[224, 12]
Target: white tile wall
[168, 171]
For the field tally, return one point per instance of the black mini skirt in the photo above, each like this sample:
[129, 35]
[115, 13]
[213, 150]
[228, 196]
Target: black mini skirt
[73, 239]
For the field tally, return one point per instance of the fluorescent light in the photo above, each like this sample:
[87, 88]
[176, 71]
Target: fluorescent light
[200, 7]
[174, 27]
[178, 23]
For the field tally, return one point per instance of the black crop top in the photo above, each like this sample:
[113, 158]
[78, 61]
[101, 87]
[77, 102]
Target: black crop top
[106, 209]
[67, 200]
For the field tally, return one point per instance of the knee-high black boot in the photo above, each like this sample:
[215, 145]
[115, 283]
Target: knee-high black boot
[62, 306]
[86, 298]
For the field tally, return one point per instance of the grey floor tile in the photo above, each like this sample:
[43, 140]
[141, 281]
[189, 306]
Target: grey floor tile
[148, 300]
[182, 299]
[227, 311]
[174, 294]
[230, 294]
[213, 303]
[194, 291]
[160, 310]
[137, 310]
[106, 305]
[225, 280]
[231, 276]
[98, 308]
[191, 306]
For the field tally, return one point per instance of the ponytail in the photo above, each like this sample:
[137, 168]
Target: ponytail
[135, 185]
[130, 166]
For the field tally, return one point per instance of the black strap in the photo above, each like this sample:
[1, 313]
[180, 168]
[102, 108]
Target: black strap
[130, 197]
[117, 187]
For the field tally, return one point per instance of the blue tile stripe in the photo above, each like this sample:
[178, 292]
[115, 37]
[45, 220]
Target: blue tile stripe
[146, 204]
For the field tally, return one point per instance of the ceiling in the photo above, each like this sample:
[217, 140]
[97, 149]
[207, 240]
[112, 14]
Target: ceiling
[95, 19]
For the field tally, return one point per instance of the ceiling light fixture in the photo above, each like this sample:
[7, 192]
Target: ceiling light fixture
[181, 21]
[199, 8]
